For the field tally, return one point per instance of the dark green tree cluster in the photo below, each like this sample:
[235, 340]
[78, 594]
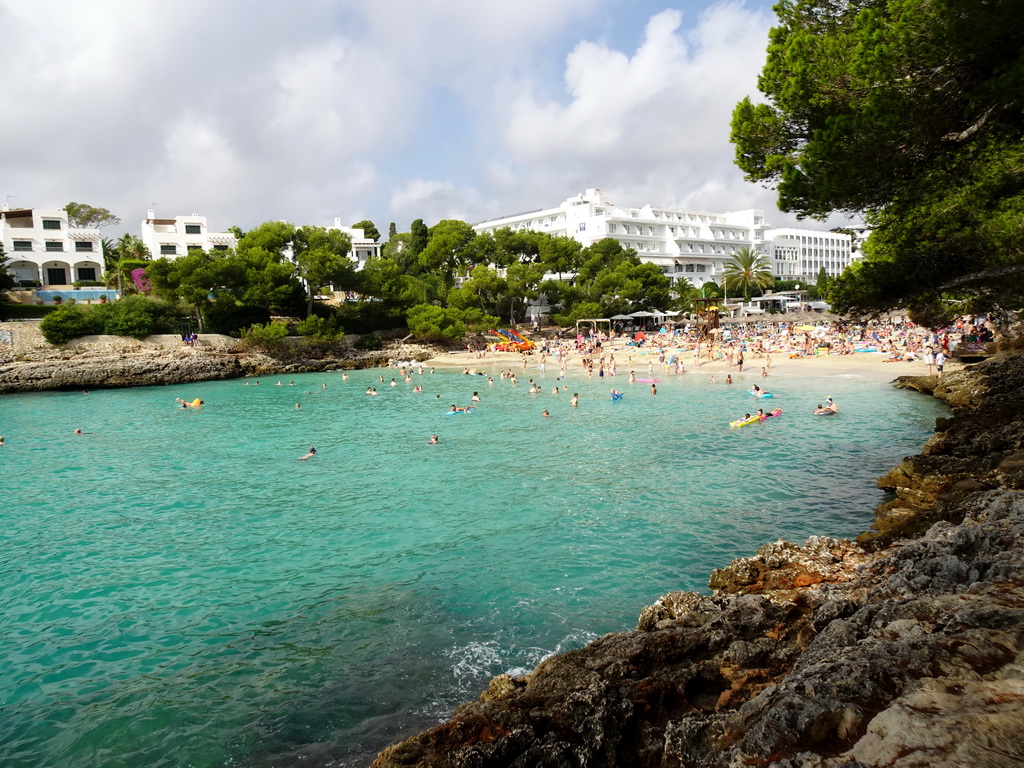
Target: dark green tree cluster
[910, 113]
[448, 276]
[275, 269]
[136, 316]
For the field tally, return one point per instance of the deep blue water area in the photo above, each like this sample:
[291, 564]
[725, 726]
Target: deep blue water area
[178, 589]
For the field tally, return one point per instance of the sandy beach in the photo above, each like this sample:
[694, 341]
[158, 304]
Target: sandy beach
[870, 365]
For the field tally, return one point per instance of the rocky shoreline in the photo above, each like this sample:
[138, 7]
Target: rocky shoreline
[901, 649]
[99, 362]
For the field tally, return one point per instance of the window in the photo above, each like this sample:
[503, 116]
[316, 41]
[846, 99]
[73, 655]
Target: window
[193, 247]
[54, 245]
[689, 267]
[611, 228]
[86, 273]
[83, 245]
[220, 247]
[168, 250]
[193, 229]
[700, 267]
[627, 229]
[23, 245]
[51, 223]
[56, 276]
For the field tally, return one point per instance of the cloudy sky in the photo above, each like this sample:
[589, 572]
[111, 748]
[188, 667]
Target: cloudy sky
[390, 110]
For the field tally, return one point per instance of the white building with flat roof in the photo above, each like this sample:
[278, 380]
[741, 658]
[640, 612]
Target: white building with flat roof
[42, 248]
[799, 254]
[684, 243]
[363, 247]
[176, 237]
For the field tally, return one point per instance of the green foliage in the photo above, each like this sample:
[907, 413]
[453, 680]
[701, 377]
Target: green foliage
[419, 237]
[66, 323]
[320, 328]
[321, 259]
[370, 341]
[265, 337]
[582, 311]
[6, 278]
[907, 111]
[10, 311]
[369, 230]
[82, 216]
[136, 316]
[432, 323]
[747, 271]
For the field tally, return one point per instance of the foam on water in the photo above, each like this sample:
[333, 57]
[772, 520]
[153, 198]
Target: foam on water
[177, 589]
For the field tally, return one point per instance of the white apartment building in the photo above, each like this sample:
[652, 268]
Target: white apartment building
[799, 254]
[177, 236]
[684, 243]
[43, 248]
[363, 247]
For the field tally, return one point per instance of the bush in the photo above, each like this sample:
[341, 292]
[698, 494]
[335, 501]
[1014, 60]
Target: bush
[66, 323]
[429, 322]
[266, 337]
[320, 328]
[89, 284]
[370, 341]
[137, 316]
[15, 311]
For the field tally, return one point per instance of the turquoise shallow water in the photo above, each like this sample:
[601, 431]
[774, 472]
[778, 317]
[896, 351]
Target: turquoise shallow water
[178, 590]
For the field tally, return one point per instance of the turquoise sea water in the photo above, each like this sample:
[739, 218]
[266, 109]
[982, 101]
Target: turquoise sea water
[177, 589]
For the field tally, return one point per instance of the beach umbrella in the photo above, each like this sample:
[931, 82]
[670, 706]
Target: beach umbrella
[621, 317]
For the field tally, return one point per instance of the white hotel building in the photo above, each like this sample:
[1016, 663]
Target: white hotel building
[42, 248]
[691, 244]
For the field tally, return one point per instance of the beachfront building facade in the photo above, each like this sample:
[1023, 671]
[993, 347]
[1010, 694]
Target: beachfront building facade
[175, 237]
[683, 243]
[799, 254]
[44, 250]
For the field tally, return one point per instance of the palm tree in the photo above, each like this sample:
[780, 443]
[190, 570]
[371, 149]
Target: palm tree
[682, 291]
[747, 270]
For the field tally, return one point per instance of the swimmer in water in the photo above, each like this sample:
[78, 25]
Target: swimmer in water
[545, 412]
[311, 454]
[575, 399]
[475, 398]
[433, 440]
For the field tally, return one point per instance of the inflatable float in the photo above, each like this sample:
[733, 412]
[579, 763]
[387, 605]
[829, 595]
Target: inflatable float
[647, 381]
[761, 393]
[457, 413]
[754, 419]
[616, 395]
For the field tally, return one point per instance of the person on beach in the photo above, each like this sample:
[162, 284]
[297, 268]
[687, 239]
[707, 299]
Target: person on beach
[940, 362]
[311, 454]
[433, 440]
[632, 377]
[654, 389]
[728, 378]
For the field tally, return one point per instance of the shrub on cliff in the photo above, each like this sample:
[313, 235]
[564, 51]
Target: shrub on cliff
[264, 338]
[66, 323]
[137, 316]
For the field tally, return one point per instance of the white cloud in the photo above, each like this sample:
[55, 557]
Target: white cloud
[321, 108]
